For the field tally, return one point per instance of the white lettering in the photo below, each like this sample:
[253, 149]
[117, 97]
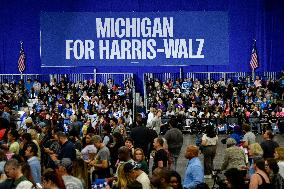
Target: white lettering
[68, 48]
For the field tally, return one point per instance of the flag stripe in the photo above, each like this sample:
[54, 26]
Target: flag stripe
[21, 61]
[254, 58]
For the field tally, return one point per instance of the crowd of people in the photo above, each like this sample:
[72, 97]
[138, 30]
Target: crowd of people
[82, 135]
[222, 103]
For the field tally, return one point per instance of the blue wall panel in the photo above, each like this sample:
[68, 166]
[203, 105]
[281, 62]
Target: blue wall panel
[248, 19]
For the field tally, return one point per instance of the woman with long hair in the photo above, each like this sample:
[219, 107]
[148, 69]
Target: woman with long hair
[209, 144]
[118, 142]
[279, 156]
[272, 169]
[139, 158]
[50, 180]
[235, 179]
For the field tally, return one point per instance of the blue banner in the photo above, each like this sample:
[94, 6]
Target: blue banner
[134, 39]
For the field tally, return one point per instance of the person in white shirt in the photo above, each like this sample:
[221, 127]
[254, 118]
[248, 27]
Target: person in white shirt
[133, 171]
[209, 144]
[150, 117]
[279, 156]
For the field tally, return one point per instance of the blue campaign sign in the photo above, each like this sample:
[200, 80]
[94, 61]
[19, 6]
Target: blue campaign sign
[134, 38]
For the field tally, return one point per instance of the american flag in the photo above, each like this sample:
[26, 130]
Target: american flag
[22, 58]
[254, 58]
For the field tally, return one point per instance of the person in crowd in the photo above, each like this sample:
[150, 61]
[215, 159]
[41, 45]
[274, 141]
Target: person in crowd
[117, 143]
[64, 170]
[107, 137]
[89, 151]
[133, 171]
[139, 158]
[157, 122]
[260, 179]
[2, 164]
[134, 185]
[151, 117]
[33, 161]
[34, 135]
[268, 145]
[249, 137]
[129, 144]
[50, 180]
[124, 156]
[161, 156]
[272, 169]
[50, 147]
[279, 156]
[141, 136]
[234, 156]
[102, 159]
[175, 180]
[237, 134]
[26, 138]
[12, 146]
[161, 178]
[67, 148]
[209, 147]
[174, 138]
[16, 178]
[254, 151]
[235, 179]
[194, 173]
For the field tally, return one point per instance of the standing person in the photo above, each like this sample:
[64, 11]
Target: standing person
[117, 143]
[89, 149]
[268, 145]
[67, 148]
[235, 179]
[209, 144]
[260, 179]
[49, 180]
[194, 173]
[13, 146]
[101, 161]
[234, 156]
[272, 169]
[249, 137]
[279, 156]
[161, 156]
[33, 161]
[139, 158]
[157, 121]
[64, 170]
[13, 170]
[174, 139]
[135, 173]
[140, 135]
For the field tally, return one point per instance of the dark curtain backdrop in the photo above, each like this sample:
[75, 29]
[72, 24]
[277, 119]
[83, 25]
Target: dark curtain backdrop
[248, 19]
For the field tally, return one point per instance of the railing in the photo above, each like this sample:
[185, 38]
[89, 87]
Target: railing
[208, 75]
[163, 77]
[17, 77]
[117, 78]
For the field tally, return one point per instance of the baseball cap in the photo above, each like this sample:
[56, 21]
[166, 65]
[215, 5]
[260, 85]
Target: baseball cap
[231, 141]
[64, 162]
[128, 167]
[42, 124]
